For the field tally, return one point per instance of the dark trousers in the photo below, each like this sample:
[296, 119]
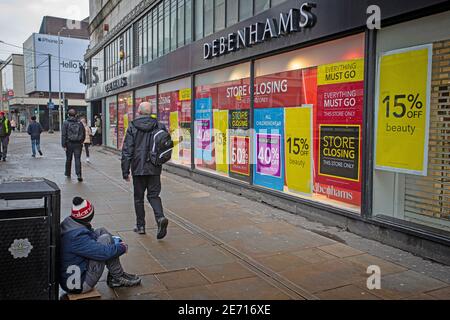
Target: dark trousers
[86, 148]
[4, 141]
[73, 150]
[151, 184]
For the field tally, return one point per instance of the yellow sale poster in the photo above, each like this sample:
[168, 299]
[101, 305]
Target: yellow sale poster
[175, 133]
[185, 94]
[220, 140]
[402, 110]
[341, 72]
[298, 146]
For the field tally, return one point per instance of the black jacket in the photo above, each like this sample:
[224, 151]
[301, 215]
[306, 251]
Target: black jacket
[64, 133]
[35, 130]
[136, 147]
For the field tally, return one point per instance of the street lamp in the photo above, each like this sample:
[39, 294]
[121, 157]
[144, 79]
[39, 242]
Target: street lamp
[61, 105]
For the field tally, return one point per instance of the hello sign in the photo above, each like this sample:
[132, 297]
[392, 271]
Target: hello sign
[294, 21]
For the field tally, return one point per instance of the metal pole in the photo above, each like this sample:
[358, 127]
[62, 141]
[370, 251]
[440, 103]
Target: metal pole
[50, 110]
[59, 80]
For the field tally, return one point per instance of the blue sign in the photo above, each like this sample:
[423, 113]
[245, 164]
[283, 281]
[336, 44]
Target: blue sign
[268, 148]
[51, 106]
[203, 129]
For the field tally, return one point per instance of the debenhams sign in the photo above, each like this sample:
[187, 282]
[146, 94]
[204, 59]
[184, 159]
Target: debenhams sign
[294, 21]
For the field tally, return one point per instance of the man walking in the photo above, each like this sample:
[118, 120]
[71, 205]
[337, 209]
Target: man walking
[5, 132]
[146, 175]
[72, 138]
[35, 130]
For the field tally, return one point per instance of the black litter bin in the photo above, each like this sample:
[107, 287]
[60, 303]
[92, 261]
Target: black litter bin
[29, 239]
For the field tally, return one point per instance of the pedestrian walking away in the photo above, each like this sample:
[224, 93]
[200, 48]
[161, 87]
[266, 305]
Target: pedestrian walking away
[91, 251]
[146, 147]
[35, 130]
[13, 125]
[73, 136]
[98, 132]
[5, 132]
[88, 140]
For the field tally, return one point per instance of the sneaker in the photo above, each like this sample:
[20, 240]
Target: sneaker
[139, 230]
[122, 281]
[4, 159]
[88, 161]
[80, 179]
[40, 153]
[130, 276]
[162, 228]
[33, 155]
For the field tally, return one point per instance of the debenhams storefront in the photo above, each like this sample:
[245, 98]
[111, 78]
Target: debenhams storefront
[301, 106]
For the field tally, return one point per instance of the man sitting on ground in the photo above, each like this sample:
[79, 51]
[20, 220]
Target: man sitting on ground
[85, 252]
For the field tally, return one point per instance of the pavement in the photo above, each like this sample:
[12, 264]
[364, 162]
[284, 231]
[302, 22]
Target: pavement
[223, 246]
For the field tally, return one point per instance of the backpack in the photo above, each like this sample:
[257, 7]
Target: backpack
[74, 133]
[161, 147]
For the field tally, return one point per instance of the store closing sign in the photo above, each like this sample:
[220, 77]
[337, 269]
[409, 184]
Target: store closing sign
[403, 110]
[268, 153]
[298, 127]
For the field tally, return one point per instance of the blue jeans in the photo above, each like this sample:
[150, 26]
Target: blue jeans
[35, 145]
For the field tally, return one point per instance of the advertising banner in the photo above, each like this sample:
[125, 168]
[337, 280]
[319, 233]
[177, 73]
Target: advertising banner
[299, 155]
[221, 140]
[403, 110]
[184, 94]
[239, 136]
[203, 129]
[339, 151]
[268, 148]
[175, 133]
[121, 123]
[337, 131]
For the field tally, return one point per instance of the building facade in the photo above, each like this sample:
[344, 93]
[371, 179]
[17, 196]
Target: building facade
[65, 51]
[336, 110]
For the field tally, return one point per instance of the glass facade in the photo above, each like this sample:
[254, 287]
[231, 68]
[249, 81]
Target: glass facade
[411, 180]
[119, 55]
[304, 125]
[222, 122]
[125, 116]
[174, 111]
[111, 122]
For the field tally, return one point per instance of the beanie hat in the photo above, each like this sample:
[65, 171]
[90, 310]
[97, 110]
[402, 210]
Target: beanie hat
[82, 210]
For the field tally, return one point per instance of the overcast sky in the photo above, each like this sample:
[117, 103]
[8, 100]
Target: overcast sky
[20, 18]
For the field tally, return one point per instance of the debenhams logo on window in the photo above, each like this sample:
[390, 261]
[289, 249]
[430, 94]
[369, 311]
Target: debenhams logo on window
[294, 21]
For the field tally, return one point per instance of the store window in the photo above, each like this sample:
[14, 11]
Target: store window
[146, 95]
[198, 19]
[166, 26]
[173, 25]
[219, 15]
[111, 122]
[245, 9]
[222, 122]
[208, 17]
[188, 21]
[181, 24]
[412, 127]
[308, 122]
[174, 104]
[124, 116]
[232, 12]
[261, 5]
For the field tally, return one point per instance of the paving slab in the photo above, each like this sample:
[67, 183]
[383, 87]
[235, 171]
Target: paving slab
[225, 272]
[182, 279]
